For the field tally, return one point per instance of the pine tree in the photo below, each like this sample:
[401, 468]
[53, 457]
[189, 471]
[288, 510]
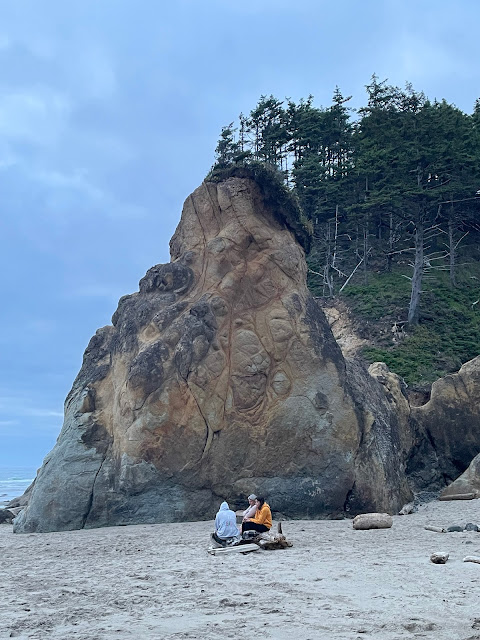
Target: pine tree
[227, 149]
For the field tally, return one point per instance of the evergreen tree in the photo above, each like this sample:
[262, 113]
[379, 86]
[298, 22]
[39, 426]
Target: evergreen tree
[227, 149]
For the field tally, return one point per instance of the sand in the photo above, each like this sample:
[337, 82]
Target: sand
[158, 581]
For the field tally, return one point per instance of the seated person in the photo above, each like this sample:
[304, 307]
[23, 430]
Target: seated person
[262, 520]
[252, 507]
[226, 530]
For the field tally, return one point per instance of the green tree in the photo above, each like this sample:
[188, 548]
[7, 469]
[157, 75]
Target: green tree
[227, 148]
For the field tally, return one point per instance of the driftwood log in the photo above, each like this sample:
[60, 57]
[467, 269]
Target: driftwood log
[372, 521]
[472, 559]
[270, 541]
[243, 548]
[430, 527]
[459, 496]
[440, 557]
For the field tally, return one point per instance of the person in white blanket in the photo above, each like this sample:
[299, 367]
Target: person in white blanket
[252, 507]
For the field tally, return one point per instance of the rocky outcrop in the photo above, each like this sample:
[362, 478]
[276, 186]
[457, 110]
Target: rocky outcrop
[6, 516]
[446, 429]
[467, 483]
[220, 377]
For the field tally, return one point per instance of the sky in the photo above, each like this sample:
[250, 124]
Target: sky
[110, 111]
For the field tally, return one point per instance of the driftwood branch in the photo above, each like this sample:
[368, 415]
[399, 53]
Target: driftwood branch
[459, 496]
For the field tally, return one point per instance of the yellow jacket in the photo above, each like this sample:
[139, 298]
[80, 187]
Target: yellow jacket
[263, 516]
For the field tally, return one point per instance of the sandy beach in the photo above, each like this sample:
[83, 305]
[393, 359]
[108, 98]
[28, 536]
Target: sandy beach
[158, 581]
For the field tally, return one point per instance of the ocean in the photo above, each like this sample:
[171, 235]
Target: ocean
[14, 481]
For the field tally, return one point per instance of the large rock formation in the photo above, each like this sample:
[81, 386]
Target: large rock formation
[218, 378]
[221, 377]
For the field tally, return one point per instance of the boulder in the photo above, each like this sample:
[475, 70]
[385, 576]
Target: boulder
[220, 377]
[440, 557]
[407, 509]
[372, 521]
[6, 516]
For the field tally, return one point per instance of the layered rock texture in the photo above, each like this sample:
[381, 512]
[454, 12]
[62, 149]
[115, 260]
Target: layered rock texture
[220, 377]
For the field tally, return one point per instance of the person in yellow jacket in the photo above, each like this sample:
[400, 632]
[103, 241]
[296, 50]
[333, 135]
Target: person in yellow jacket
[262, 520]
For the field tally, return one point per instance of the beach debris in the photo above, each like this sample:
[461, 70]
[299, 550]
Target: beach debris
[430, 527]
[439, 557]
[407, 509]
[240, 548]
[372, 521]
[458, 496]
[470, 526]
[270, 541]
[455, 528]
[472, 559]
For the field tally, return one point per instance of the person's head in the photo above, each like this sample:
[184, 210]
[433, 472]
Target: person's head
[251, 499]
[259, 502]
[224, 506]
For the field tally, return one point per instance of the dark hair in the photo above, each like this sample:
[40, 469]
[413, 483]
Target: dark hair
[261, 501]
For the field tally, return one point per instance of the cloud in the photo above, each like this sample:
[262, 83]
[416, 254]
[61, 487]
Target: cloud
[35, 115]
[18, 406]
[95, 290]
[40, 413]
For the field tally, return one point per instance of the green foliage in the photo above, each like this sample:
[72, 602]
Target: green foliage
[385, 296]
[447, 336]
[394, 192]
[274, 192]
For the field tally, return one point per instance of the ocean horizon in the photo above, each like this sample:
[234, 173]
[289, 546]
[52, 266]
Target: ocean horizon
[13, 482]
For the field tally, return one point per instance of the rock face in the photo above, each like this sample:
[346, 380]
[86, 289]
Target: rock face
[446, 429]
[218, 378]
[467, 483]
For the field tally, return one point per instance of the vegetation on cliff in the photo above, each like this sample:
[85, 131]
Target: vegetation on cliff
[274, 190]
[391, 194]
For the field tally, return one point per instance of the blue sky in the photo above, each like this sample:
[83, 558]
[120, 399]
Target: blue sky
[109, 115]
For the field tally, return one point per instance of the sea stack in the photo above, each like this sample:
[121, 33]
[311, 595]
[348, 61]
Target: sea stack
[220, 377]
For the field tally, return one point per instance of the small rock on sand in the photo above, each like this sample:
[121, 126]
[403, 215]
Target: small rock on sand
[439, 557]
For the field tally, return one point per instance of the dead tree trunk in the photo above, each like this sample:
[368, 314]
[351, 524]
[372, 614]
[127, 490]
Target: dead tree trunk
[366, 251]
[451, 250]
[390, 242]
[418, 267]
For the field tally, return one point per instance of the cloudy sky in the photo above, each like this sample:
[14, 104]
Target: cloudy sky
[109, 115]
